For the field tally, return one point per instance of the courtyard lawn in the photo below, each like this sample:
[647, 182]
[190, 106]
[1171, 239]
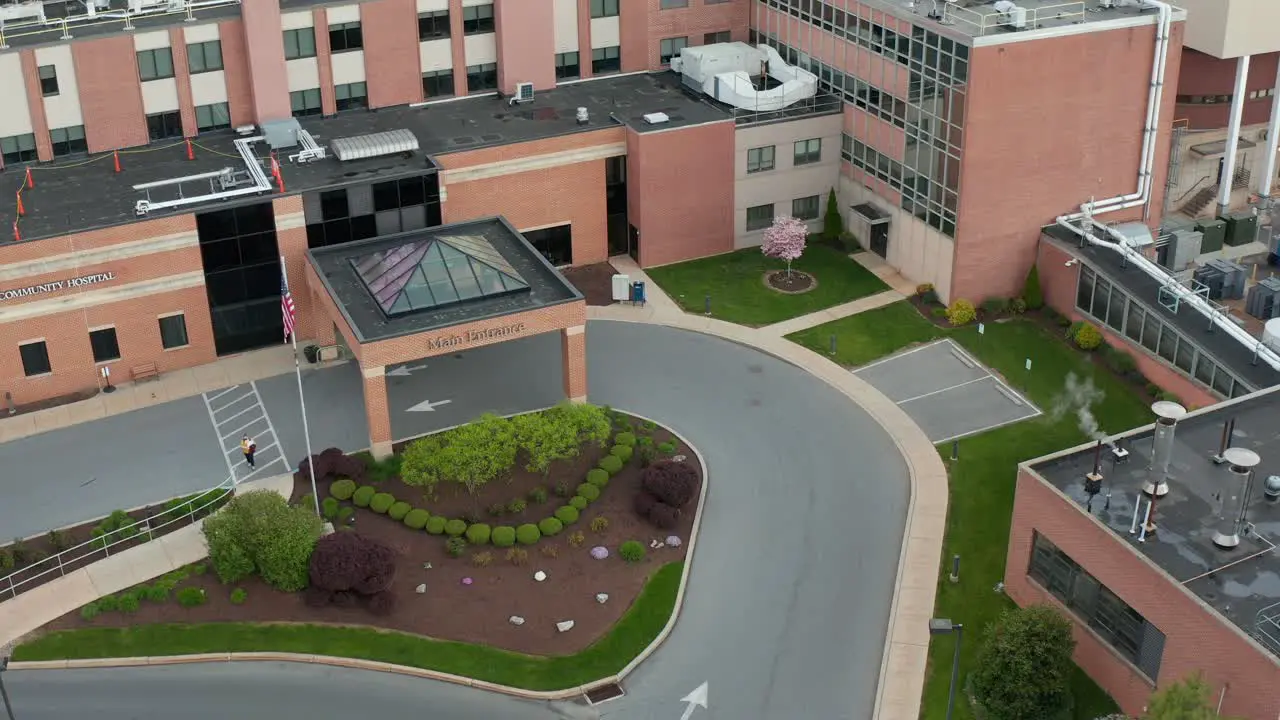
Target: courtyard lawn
[735, 282]
[982, 480]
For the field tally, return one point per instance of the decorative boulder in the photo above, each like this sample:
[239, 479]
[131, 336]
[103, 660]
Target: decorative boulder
[539, 576]
[678, 458]
[516, 620]
[602, 598]
[564, 626]
[600, 552]
[674, 541]
[421, 589]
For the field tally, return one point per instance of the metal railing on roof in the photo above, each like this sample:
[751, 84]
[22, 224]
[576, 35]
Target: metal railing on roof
[1267, 627]
[987, 20]
[26, 19]
[820, 104]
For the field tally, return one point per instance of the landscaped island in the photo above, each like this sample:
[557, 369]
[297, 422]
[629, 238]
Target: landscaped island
[560, 534]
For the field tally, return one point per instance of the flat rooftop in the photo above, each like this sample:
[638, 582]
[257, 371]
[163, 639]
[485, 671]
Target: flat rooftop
[1186, 518]
[427, 280]
[978, 18]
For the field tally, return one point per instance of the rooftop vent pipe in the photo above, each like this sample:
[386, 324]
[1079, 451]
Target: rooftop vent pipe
[1167, 416]
[1235, 498]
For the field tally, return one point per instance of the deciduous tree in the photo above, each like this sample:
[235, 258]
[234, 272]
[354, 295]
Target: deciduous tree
[1023, 671]
[479, 451]
[259, 531]
[1188, 699]
[785, 240]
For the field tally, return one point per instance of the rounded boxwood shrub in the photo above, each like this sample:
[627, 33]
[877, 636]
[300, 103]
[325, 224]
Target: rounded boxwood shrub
[435, 524]
[479, 534]
[528, 534]
[631, 551]
[455, 527]
[503, 536]
[363, 496]
[625, 438]
[550, 526]
[667, 448]
[567, 514]
[589, 491]
[416, 519]
[1087, 337]
[598, 477]
[961, 312]
[329, 508]
[622, 452]
[611, 464]
[382, 502]
[399, 510]
[343, 488]
[578, 502]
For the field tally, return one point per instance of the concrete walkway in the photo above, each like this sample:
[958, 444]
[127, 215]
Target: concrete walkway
[907, 645]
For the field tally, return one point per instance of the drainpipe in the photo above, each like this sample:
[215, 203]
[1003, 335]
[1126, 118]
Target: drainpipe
[1273, 137]
[1233, 135]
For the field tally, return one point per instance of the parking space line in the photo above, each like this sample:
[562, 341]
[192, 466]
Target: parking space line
[946, 389]
[240, 429]
[224, 406]
[213, 421]
[260, 468]
[260, 451]
[224, 392]
[233, 417]
[270, 428]
[896, 356]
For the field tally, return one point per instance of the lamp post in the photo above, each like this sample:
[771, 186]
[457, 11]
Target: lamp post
[4, 695]
[941, 626]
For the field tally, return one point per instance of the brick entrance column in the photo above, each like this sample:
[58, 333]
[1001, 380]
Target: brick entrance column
[375, 407]
[573, 345]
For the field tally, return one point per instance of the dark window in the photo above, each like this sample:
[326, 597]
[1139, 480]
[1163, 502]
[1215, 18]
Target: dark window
[68, 141]
[345, 37]
[35, 358]
[437, 84]
[334, 206]
[555, 243]
[305, 102]
[48, 80]
[759, 217]
[155, 64]
[215, 116]
[433, 25]
[567, 66]
[164, 125]
[477, 19]
[18, 149]
[482, 77]
[205, 56]
[173, 331]
[300, 43]
[808, 151]
[351, 96]
[717, 37]
[604, 8]
[760, 159]
[673, 4]
[671, 47]
[106, 347]
[805, 208]
[606, 60]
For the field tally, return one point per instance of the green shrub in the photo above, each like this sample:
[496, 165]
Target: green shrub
[578, 502]
[363, 496]
[644, 441]
[648, 425]
[191, 596]
[589, 491]
[1153, 389]
[158, 593]
[329, 508]
[416, 519]
[599, 524]
[129, 603]
[938, 312]
[346, 514]
[199, 569]
[455, 527]
[1088, 337]
[503, 536]
[567, 514]
[455, 546]
[645, 455]
[343, 488]
[667, 448]
[1018, 306]
[611, 464]
[435, 524]
[562, 489]
[631, 551]
[995, 306]
[927, 293]
[7, 561]
[550, 526]
[382, 502]
[238, 596]
[538, 495]
[479, 534]
[260, 532]
[59, 540]
[1120, 361]
[528, 534]
[1031, 292]
[622, 452]
[517, 506]
[961, 312]
[625, 438]
[576, 539]
[598, 477]
[399, 510]
[110, 603]
[90, 611]
[1024, 667]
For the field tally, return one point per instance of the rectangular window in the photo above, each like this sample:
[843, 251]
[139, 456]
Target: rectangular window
[1084, 289]
[305, 102]
[299, 43]
[712, 38]
[68, 141]
[805, 208]
[437, 84]
[482, 77]
[671, 47]
[173, 331]
[808, 151]
[155, 64]
[214, 116]
[477, 19]
[48, 80]
[351, 96]
[604, 8]
[606, 60]
[433, 25]
[555, 243]
[567, 67]
[105, 345]
[759, 217]
[673, 4]
[760, 159]
[35, 358]
[164, 125]
[18, 149]
[345, 37]
[205, 56]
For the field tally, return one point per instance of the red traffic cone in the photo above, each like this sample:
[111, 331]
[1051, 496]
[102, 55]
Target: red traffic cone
[22, 209]
[191, 153]
[280, 180]
[29, 181]
[116, 155]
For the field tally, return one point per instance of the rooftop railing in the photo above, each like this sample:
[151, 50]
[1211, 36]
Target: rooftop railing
[26, 18]
[987, 21]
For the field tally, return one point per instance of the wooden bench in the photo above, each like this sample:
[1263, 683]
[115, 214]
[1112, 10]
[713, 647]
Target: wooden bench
[145, 371]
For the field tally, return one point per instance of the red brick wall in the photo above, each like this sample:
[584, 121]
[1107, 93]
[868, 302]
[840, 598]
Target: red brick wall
[392, 67]
[235, 65]
[526, 44]
[680, 187]
[573, 349]
[1204, 74]
[584, 38]
[264, 45]
[458, 48]
[182, 78]
[324, 62]
[292, 244]
[35, 102]
[643, 25]
[377, 409]
[1197, 638]
[110, 93]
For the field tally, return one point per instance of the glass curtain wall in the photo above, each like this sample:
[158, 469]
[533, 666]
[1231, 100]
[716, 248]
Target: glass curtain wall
[242, 277]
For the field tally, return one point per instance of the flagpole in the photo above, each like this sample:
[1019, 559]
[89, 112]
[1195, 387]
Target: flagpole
[302, 400]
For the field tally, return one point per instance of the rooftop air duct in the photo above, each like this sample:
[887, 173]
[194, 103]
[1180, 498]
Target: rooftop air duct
[361, 147]
[1167, 416]
[1236, 497]
[724, 71]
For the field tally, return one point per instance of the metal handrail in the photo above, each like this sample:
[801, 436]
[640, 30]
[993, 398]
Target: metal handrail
[60, 560]
[981, 22]
[1270, 636]
[40, 25]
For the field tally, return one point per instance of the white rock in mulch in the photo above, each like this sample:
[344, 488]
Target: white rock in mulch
[421, 588]
[679, 458]
[516, 620]
[655, 544]
[674, 540]
[539, 576]
[564, 626]
[426, 566]
[602, 598]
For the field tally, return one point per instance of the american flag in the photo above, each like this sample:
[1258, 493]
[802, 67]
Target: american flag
[286, 305]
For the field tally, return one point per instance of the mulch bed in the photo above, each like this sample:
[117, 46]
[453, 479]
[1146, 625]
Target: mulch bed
[476, 613]
[595, 282]
[792, 283]
[52, 402]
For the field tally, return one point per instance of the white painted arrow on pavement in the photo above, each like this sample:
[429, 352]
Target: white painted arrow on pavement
[405, 370]
[428, 406]
[696, 699]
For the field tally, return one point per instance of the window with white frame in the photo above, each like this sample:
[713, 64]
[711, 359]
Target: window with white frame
[760, 159]
[759, 217]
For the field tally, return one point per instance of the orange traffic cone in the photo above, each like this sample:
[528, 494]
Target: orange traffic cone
[191, 153]
[280, 180]
[22, 210]
[29, 182]
[116, 154]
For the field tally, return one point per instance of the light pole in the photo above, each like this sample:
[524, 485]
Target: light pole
[940, 626]
[4, 695]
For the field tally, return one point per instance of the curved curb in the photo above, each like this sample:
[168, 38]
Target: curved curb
[376, 666]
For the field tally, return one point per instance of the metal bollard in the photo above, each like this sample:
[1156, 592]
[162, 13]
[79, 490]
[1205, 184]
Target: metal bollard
[707, 306]
[955, 569]
[833, 346]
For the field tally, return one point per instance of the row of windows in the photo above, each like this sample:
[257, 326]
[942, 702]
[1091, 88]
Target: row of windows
[71, 140]
[917, 191]
[1222, 99]
[1111, 306]
[803, 152]
[476, 20]
[805, 208]
[157, 64]
[104, 344]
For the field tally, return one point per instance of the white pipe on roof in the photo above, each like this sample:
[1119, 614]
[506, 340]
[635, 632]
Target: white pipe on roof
[1273, 137]
[1227, 180]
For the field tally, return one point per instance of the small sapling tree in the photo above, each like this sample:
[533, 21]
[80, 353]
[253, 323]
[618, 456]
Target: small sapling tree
[785, 240]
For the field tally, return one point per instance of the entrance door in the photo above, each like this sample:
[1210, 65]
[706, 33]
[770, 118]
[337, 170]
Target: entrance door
[615, 188]
[880, 240]
[633, 243]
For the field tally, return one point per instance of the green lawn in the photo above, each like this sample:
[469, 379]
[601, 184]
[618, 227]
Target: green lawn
[633, 633]
[735, 283]
[982, 480]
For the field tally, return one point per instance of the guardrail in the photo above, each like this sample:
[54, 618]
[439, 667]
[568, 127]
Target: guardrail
[191, 508]
[27, 19]
[987, 21]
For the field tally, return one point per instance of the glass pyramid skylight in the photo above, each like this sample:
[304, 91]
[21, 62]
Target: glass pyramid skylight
[437, 272]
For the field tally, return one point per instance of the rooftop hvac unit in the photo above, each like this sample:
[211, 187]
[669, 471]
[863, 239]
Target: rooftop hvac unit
[1271, 334]
[1233, 278]
[656, 118]
[1263, 300]
[1011, 15]
[524, 94]
[1235, 496]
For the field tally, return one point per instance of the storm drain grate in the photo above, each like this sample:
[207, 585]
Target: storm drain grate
[604, 694]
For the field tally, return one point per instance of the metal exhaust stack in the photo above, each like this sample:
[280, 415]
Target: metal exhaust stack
[1235, 498]
[1167, 416]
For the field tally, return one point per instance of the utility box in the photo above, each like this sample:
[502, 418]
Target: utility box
[621, 287]
[1263, 301]
[1214, 232]
[1233, 278]
[1184, 248]
[1242, 228]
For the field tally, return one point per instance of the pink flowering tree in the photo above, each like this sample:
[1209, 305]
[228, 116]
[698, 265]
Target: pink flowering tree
[785, 240]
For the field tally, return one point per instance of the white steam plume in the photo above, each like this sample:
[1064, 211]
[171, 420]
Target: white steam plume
[1077, 398]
